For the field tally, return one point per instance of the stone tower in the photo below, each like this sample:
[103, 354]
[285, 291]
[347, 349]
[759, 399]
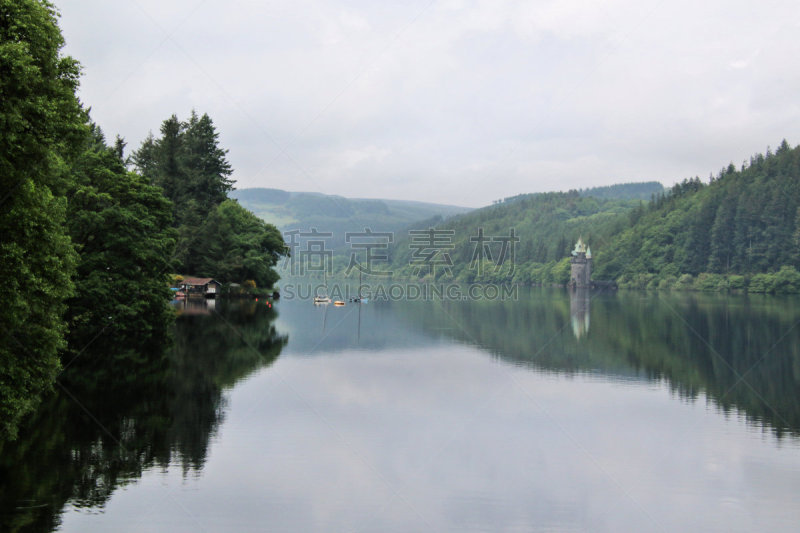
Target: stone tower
[581, 265]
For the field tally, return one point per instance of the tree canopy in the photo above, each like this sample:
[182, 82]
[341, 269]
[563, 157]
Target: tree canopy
[743, 222]
[237, 245]
[121, 228]
[41, 127]
[216, 237]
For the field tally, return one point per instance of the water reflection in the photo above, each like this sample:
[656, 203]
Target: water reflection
[395, 379]
[194, 306]
[743, 352]
[579, 301]
[116, 413]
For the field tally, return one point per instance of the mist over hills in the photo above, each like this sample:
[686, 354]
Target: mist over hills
[546, 220]
[303, 210]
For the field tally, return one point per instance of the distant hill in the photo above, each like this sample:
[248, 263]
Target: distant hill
[644, 190]
[337, 214]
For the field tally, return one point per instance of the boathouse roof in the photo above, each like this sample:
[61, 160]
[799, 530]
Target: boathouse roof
[198, 281]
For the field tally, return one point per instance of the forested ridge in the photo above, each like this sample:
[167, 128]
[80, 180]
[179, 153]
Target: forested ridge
[546, 224]
[740, 230]
[88, 247]
[337, 215]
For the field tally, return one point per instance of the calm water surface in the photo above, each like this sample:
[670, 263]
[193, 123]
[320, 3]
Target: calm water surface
[557, 412]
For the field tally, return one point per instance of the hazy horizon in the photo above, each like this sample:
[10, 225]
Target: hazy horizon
[426, 201]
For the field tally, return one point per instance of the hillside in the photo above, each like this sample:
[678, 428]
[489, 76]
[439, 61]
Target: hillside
[547, 225]
[739, 231]
[337, 214]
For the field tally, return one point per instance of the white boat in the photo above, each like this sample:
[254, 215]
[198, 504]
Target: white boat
[323, 298]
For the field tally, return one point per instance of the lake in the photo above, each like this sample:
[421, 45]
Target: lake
[554, 411]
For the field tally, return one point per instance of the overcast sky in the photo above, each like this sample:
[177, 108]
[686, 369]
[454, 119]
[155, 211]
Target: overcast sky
[450, 101]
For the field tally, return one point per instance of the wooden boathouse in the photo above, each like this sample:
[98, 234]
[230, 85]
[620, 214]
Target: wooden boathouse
[205, 287]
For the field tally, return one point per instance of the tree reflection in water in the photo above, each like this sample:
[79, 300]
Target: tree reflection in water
[118, 411]
[742, 352]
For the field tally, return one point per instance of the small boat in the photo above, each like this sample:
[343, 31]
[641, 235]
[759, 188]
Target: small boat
[339, 303]
[359, 299]
[323, 298]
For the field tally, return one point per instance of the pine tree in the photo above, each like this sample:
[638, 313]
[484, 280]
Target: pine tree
[207, 171]
[168, 173]
[722, 233]
[194, 173]
[145, 159]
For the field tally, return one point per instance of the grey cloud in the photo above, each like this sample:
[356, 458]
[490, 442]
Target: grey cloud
[453, 101]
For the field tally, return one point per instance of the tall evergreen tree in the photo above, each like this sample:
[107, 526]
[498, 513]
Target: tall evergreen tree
[145, 159]
[192, 170]
[169, 174]
[216, 237]
[188, 164]
[207, 171]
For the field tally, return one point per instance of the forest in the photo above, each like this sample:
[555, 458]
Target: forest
[91, 238]
[546, 226]
[740, 231]
[737, 231]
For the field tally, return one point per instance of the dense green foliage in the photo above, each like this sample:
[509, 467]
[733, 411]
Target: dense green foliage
[192, 170]
[187, 163]
[41, 127]
[216, 237]
[234, 244]
[546, 224]
[738, 231]
[120, 225]
[625, 191]
[87, 246]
